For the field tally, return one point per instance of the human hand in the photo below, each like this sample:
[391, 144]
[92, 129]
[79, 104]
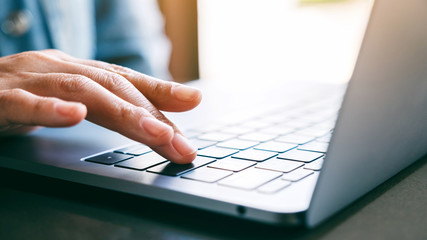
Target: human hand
[50, 88]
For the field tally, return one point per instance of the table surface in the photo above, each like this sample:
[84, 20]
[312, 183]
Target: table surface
[35, 207]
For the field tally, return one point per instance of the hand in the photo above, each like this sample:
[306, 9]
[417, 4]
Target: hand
[50, 88]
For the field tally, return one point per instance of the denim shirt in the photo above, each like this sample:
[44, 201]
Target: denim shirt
[124, 32]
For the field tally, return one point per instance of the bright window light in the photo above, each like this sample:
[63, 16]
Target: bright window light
[279, 40]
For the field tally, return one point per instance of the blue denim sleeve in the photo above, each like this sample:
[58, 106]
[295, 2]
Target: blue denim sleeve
[22, 27]
[124, 32]
[131, 33]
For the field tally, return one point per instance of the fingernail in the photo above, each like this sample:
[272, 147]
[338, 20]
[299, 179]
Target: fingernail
[182, 145]
[154, 127]
[65, 108]
[185, 93]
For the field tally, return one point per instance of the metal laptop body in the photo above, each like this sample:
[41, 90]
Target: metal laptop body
[381, 129]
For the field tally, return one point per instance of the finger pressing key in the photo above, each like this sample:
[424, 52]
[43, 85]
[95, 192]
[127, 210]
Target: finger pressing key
[112, 112]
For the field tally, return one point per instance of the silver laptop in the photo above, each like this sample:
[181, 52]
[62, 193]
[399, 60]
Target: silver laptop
[294, 155]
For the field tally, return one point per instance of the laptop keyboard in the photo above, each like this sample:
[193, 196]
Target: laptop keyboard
[265, 153]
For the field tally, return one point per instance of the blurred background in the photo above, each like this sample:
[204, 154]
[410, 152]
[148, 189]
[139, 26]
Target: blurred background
[264, 40]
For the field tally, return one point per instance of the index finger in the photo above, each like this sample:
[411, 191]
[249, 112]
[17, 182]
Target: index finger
[112, 112]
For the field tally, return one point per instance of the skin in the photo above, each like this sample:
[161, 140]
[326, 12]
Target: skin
[50, 88]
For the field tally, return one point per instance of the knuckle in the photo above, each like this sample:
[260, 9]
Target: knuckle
[10, 101]
[73, 84]
[120, 69]
[32, 57]
[124, 112]
[55, 52]
[115, 81]
[7, 97]
[152, 109]
[118, 84]
[37, 105]
[5, 100]
[156, 87]
[52, 51]
[13, 92]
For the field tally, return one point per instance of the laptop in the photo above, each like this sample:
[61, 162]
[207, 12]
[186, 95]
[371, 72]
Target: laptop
[291, 154]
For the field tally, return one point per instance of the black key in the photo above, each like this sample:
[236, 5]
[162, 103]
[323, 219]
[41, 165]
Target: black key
[108, 158]
[142, 162]
[173, 169]
[135, 150]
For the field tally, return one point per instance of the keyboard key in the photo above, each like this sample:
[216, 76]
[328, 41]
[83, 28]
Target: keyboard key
[258, 136]
[191, 133]
[256, 124]
[312, 117]
[206, 174]
[142, 162]
[254, 155]
[277, 129]
[216, 152]
[295, 124]
[276, 146]
[325, 139]
[216, 136]
[315, 165]
[173, 169]
[293, 138]
[297, 175]
[237, 144]
[206, 128]
[327, 125]
[249, 179]
[312, 132]
[274, 186]
[314, 146]
[231, 164]
[301, 156]
[200, 144]
[236, 130]
[135, 150]
[279, 165]
[108, 158]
